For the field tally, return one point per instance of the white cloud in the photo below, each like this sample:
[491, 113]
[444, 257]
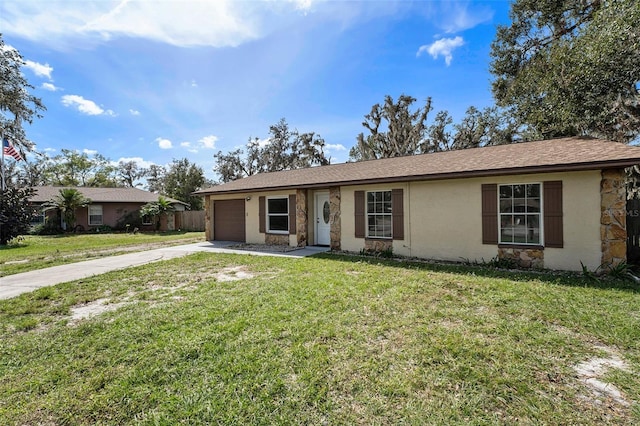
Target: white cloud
[134, 112]
[41, 70]
[85, 106]
[50, 87]
[443, 47]
[188, 147]
[454, 17]
[194, 83]
[90, 151]
[335, 147]
[208, 142]
[164, 143]
[216, 23]
[138, 160]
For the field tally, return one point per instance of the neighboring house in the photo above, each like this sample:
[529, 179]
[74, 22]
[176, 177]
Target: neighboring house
[108, 205]
[551, 204]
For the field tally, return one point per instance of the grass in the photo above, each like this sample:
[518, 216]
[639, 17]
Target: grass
[234, 339]
[37, 252]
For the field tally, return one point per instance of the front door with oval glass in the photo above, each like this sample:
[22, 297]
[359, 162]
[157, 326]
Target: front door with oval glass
[323, 213]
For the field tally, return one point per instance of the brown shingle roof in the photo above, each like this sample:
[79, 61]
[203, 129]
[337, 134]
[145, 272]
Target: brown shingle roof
[100, 195]
[564, 154]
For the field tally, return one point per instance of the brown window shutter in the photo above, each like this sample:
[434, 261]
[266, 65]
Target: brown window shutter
[490, 213]
[397, 214]
[553, 231]
[292, 214]
[358, 197]
[261, 215]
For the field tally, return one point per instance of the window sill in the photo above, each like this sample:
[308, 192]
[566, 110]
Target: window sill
[277, 232]
[521, 246]
[379, 238]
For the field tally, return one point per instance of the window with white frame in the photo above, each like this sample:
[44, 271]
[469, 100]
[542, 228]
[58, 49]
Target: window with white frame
[95, 214]
[278, 215]
[520, 214]
[379, 214]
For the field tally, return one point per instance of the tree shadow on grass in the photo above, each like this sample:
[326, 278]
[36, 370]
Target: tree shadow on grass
[565, 278]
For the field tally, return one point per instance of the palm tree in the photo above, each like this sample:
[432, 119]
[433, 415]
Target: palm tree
[157, 209]
[67, 202]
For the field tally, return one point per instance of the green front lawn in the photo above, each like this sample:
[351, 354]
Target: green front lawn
[231, 339]
[37, 252]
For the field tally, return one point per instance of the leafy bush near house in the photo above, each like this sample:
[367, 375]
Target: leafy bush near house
[133, 219]
[47, 228]
[103, 228]
[15, 213]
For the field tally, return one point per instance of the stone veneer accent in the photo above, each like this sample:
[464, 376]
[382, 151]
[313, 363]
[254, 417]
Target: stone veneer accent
[208, 220]
[334, 218]
[377, 245]
[523, 257]
[302, 217]
[613, 217]
[276, 239]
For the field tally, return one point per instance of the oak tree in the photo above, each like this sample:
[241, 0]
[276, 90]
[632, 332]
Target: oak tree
[571, 67]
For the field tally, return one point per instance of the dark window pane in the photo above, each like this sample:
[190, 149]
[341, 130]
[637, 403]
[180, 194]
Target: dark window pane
[385, 225]
[278, 205]
[371, 221]
[519, 191]
[506, 235]
[506, 206]
[533, 190]
[278, 223]
[505, 191]
[533, 226]
[519, 205]
[533, 205]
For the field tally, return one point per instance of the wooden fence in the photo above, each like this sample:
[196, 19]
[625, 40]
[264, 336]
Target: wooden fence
[190, 220]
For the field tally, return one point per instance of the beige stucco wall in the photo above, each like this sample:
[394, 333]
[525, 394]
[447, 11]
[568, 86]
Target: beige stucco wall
[443, 219]
[252, 215]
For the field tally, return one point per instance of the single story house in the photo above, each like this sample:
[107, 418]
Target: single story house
[553, 204]
[108, 206]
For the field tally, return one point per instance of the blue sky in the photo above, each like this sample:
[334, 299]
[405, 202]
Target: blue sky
[158, 80]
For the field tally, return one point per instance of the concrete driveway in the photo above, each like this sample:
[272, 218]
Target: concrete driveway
[14, 285]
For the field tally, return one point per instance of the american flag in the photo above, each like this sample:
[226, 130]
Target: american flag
[8, 149]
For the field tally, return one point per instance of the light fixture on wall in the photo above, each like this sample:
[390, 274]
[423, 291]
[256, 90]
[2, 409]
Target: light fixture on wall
[248, 198]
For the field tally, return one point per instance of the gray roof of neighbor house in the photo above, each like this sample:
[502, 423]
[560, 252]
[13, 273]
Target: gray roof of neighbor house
[554, 155]
[101, 195]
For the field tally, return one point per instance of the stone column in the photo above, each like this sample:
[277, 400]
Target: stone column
[208, 218]
[613, 217]
[334, 217]
[302, 217]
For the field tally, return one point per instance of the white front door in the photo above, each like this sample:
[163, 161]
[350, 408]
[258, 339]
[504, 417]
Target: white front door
[323, 227]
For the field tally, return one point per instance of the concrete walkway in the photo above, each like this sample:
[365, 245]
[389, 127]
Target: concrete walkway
[14, 285]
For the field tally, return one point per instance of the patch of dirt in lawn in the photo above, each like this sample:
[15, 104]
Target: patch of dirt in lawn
[92, 309]
[235, 273]
[604, 396]
[590, 372]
